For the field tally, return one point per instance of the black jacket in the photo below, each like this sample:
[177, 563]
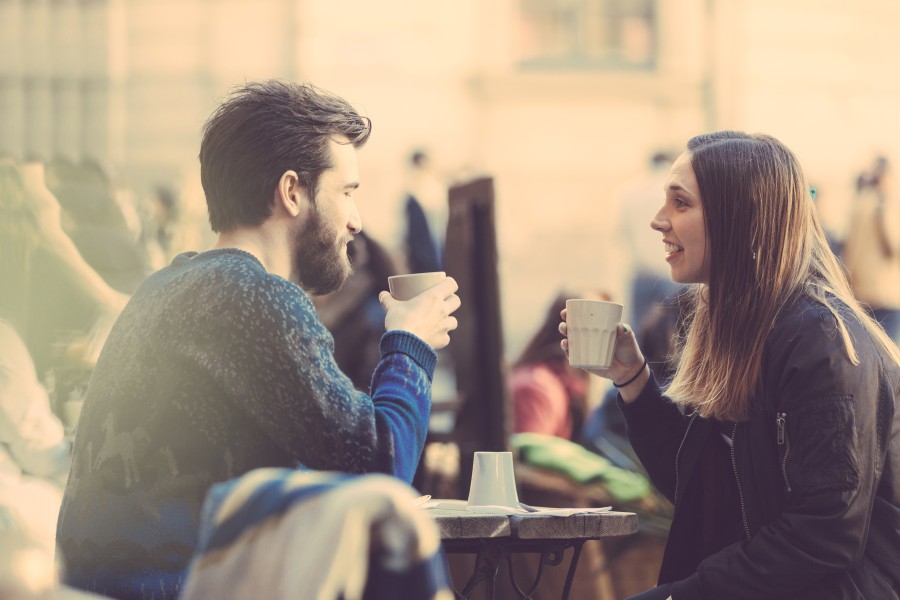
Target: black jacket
[817, 469]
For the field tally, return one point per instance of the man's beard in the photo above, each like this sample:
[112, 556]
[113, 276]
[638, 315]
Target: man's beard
[320, 260]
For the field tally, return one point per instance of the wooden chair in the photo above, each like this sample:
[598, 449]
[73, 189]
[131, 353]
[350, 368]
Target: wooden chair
[480, 412]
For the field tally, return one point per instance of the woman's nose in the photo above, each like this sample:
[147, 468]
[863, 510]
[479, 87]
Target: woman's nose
[659, 222]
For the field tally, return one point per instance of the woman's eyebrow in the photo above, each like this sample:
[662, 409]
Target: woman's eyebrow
[677, 188]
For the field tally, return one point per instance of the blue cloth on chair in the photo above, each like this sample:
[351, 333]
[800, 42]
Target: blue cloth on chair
[281, 533]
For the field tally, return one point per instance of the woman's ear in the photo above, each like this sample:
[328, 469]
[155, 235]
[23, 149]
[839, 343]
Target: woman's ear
[290, 195]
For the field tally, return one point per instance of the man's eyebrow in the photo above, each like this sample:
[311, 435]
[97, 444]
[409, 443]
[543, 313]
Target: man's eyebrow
[352, 185]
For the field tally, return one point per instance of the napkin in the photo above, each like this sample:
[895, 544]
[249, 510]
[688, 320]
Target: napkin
[524, 509]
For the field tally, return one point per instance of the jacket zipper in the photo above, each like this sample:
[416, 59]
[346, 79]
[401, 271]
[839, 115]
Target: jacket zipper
[738, 480]
[781, 424]
[678, 453]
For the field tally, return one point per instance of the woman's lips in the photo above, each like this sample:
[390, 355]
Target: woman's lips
[672, 250]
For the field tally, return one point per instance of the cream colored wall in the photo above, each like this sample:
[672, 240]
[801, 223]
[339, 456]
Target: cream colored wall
[404, 64]
[131, 81]
[820, 76]
[561, 145]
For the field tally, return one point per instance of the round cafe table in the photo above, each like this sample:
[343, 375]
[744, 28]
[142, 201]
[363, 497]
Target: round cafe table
[493, 538]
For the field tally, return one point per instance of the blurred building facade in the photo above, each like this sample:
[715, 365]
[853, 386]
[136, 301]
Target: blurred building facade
[561, 101]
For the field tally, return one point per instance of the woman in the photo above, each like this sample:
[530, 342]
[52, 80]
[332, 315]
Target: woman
[776, 438]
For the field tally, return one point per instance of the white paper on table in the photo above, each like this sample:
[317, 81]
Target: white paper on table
[462, 506]
[444, 504]
[567, 512]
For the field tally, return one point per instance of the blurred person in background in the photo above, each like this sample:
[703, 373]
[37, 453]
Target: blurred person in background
[834, 238]
[354, 315]
[71, 306]
[871, 251]
[94, 261]
[219, 364]
[102, 220]
[34, 452]
[776, 439]
[647, 281]
[548, 395]
[425, 216]
[161, 225]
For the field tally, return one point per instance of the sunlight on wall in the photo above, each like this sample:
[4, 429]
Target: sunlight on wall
[129, 83]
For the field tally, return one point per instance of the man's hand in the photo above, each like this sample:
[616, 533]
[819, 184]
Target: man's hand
[427, 316]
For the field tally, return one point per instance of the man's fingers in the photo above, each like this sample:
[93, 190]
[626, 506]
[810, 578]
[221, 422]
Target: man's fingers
[453, 303]
[443, 342]
[446, 287]
[452, 323]
[454, 286]
[386, 300]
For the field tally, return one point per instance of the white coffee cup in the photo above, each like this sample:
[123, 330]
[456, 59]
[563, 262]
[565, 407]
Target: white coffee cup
[493, 480]
[591, 326]
[406, 287]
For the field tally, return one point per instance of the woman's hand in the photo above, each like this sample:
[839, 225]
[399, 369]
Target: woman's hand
[627, 371]
[427, 316]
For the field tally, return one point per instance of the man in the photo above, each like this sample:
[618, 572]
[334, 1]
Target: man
[219, 364]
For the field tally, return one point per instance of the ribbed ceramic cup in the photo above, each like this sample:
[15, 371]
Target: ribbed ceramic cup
[591, 326]
[406, 287]
[493, 480]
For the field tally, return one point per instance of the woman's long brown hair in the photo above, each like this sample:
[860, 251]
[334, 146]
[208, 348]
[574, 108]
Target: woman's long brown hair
[766, 245]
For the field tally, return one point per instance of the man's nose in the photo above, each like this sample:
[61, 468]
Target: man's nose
[354, 222]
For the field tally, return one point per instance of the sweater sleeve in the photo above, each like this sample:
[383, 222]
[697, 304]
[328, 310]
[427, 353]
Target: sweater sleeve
[274, 359]
[401, 392]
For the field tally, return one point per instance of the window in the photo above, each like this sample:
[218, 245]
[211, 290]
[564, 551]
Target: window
[587, 33]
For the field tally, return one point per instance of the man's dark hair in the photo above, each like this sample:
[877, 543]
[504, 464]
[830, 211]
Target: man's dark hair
[262, 130]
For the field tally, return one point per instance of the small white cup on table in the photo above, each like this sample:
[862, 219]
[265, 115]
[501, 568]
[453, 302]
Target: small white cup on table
[493, 481]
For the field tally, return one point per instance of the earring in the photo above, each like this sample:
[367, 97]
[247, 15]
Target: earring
[753, 255]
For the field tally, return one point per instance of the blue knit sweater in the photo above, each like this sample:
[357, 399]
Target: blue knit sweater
[214, 368]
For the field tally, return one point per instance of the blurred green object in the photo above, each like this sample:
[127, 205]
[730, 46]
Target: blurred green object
[579, 464]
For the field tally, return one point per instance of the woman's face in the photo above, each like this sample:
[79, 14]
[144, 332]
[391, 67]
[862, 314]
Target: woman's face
[680, 220]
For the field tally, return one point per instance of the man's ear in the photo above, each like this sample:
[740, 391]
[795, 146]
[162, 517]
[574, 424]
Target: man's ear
[290, 195]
